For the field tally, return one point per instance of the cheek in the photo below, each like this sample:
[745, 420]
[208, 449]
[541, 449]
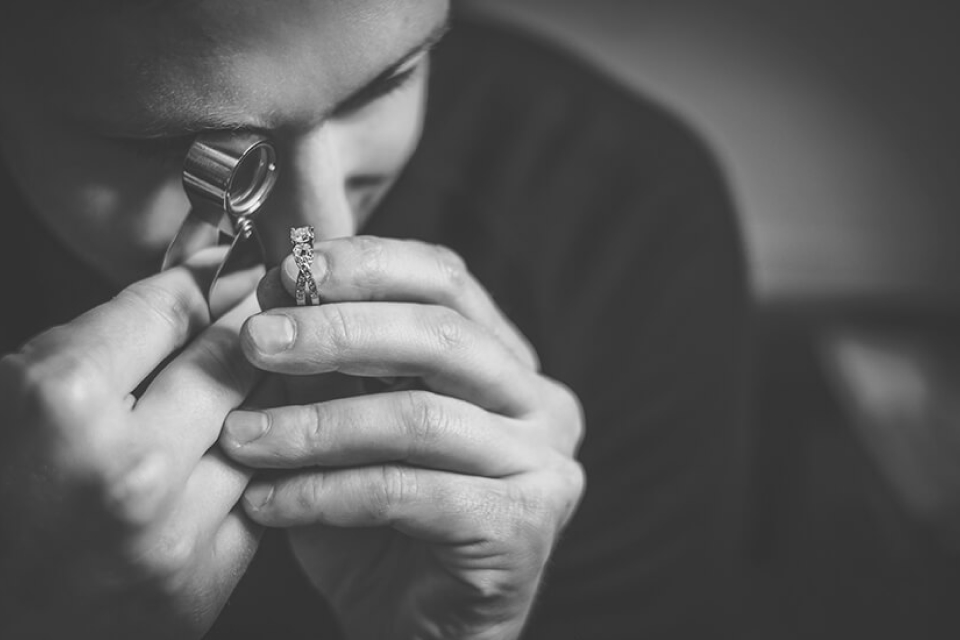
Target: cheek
[104, 202]
[376, 145]
[379, 141]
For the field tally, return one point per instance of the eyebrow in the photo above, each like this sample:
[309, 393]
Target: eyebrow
[366, 94]
[373, 89]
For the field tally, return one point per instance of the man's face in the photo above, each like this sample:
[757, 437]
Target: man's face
[96, 123]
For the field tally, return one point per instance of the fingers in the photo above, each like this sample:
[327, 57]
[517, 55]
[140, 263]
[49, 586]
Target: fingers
[237, 537]
[414, 427]
[213, 563]
[182, 410]
[366, 268]
[147, 492]
[211, 495]
[122, 341]
[213, 490]
[453, 355]
[434, 506]
[197, 525]
[412, 500]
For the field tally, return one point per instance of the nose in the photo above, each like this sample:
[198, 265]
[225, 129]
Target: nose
[311, 189]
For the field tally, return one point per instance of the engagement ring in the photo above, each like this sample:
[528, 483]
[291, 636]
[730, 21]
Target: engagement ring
[302, 239]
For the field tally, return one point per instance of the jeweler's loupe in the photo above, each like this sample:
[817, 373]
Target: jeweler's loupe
[227, 177]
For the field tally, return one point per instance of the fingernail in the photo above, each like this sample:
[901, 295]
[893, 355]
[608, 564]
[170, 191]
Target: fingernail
[318, 269]
[246, 426]
[272, 333]
[258, 495]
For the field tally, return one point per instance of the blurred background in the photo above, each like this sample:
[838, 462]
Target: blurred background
[836, 124]
[836, 120]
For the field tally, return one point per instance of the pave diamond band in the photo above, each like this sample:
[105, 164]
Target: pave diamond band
[302, 239]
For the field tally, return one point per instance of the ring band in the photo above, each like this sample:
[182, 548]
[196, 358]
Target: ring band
[302, 239]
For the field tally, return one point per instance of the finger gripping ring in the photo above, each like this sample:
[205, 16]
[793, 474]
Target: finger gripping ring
[302, 239]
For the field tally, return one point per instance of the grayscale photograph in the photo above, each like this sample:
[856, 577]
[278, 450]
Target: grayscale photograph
[479, 320]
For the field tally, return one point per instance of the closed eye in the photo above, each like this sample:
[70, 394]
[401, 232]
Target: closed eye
[171, 140]
[381, 88]
[174, 148]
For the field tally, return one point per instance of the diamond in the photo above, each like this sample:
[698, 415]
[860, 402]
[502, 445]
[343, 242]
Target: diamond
[302, 235]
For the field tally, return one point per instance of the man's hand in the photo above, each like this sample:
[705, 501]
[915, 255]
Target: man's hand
[118, 519]
[425, 513]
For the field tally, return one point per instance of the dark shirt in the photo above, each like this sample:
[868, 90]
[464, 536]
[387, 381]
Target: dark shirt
[603, 228]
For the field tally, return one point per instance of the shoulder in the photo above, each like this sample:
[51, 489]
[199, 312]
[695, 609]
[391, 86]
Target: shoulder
[530, 132]
[507, 75]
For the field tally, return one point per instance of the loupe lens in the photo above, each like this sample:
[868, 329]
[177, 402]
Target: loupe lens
[233, 171]
[227, 176]
[250, 179]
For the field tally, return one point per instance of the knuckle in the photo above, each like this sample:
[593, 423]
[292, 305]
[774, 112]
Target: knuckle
[532, 510]
[449, 329]
[371, 263]
[519, 346]
[73, 385]
[63, 393]
[536, 509]
[395, 488]
[171, 308]
[335, 333]
[575, 481]
[569, 415]
[310, 493]
[564, 490]
[535, 522]
[317, 436]
[169, 554]
[425, 420]
[451, 267]
[221, 353]
[133, 498]
[59, 419]
[60, 413]
[510, 513]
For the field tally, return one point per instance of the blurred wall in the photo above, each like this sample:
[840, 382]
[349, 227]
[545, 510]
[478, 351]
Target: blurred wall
[836, 120]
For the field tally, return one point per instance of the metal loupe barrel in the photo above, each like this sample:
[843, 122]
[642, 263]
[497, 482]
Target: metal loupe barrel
[227, 176]
[229, 172]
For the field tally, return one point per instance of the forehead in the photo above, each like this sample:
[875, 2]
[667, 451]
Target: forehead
[260, 63]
